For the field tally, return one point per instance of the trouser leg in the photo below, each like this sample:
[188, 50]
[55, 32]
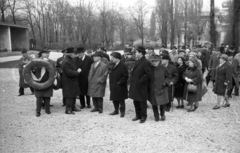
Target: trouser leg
[116, 106]
[100, 103]
[162, 110]
[88, 100]
[122, 106]
[69, 104]
[95, 102]
[64, 101]
[32, 90]
[155, 111]
[47, 103]
[137, 108]
[82, 100]
[39, 103]
[143, 105]
[21, 91]
[74, 103]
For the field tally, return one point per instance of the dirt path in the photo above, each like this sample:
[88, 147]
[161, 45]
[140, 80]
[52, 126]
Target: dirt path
[204, 131]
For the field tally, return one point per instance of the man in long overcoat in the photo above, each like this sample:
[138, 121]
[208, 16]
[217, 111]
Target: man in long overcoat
[235, 74]
[118, 84]
[174, 78]
[70, 86]
[83, 62]
[158, 95]
[43, 96]
[213, 63]
[139, 83]
[97, 82]
[23, 61]
[59, 70]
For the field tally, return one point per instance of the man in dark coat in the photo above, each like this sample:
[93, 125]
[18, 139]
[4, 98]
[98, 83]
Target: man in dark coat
[213, 63]
[118, 84]
[23, 61]
[83, 62]
[174, 78]
[139, 83]
[97, 80]
[70, 86]
[235, 73]
[59, 70]
[42, 75]
[158, 95]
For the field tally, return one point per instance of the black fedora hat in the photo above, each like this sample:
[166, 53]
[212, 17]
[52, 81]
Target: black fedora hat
[141, 49]
[97, 54]
[116, 55]
[80, 50]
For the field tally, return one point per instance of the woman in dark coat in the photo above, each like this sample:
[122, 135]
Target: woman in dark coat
[158, 91]
[223, 79]
[70, 88]
[179, 86]
[193, 75]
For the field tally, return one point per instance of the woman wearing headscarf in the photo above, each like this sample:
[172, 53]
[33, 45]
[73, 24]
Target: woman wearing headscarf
[223, 79]
[179, 86]
[193, 75]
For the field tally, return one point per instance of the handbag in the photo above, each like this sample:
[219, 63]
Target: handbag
[191, 88]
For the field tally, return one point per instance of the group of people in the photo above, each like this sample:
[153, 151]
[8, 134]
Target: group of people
[139, 74]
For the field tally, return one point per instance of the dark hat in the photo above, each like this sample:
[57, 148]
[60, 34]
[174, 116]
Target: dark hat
[116, 55]
[24, 51]
[182, 57]
[43, 51]
[166, 56]
[70, 50]
[154, 58]
[224, 57]
[80, 50]
[97, 54]
[150, 48]
[174, 47]
[165, 52]
[102, 49]
[229, 53]
[64, 50]
[141, 49]
[181, 51]
[194, 60]
[163, 46]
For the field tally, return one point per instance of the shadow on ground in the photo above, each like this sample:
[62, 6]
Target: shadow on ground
[9, 64]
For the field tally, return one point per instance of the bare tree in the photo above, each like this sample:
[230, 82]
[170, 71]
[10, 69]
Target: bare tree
[236, 25]
[212, 23]
[3, 7]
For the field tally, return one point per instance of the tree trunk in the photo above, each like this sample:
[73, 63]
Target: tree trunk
[212, 23]
[172, 25]
[3, 15]
[236, 25]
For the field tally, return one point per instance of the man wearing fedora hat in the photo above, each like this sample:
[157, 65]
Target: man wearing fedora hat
[174, 78]
[84, 63]
[97, 81]
[139, 83]
[118, 84]
[159, 82]
[70, 88]
[59, 70]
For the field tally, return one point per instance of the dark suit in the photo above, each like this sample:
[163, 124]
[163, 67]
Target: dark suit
[59, 70]
[70, 86]
[139, 86]
[85, 66]
[174, 78]
[118, 86]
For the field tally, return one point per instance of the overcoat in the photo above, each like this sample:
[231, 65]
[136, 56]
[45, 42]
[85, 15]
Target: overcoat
[118, 82]
[23, 61]
[158, 89]
[196, 75]
[97, 80]
[59, 64]
[174, 78]
[179, 86]
[235, 71]
[139, 80]
[223, 75]
[213, 63]
[85, 66]
[45, 92]
[70, 88]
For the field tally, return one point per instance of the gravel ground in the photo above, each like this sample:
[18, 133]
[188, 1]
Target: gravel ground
[204, 130]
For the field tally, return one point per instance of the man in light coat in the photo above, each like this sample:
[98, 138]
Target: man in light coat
[97, 82]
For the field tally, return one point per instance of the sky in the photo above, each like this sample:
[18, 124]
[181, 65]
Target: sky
[151, 3]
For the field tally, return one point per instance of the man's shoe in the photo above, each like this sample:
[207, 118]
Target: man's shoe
[163, 118]
[178, 106]
[38, 114]
[50, 105]
[167, 109]
[100, 111]
[182, 106]
[227, 105]
[143, 119]
[20, 94]
[113, 113]
[82, 107]
[157, 119]
[76, 110]
[69, 112]
[94, 110]
[89, 106]
[48, 112]
[136, 118]
[122, 114]
[216, 107]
